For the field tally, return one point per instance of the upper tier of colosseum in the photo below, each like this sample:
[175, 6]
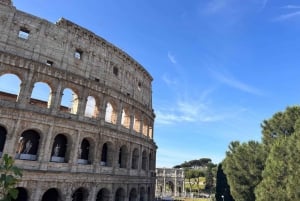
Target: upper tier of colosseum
[74, 51]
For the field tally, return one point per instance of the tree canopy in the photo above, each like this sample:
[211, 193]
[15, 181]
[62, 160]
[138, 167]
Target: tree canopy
[269, 170]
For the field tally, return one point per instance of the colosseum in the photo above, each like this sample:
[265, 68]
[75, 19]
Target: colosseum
[75, 112]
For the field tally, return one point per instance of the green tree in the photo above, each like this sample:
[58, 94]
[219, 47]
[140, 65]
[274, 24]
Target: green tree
[243, 166]
[282, 124]
[209, 178]
[281, 175]
[10, 176]
[189, 175]
[273, 185]
[222, 187]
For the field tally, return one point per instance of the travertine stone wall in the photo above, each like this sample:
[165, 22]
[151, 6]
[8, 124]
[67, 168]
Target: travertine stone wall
[66, 154]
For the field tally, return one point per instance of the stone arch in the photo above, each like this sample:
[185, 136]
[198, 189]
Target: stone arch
[111, 113]
[120, 195]
[135, 159]
[125, 119]
[3, 133]
[169, 187]
[143, 196]
[123, 156]
[107, 153]
[59, 149]
[69, 101]
[22, 195]
[103, 195]
[133, 195]
[145, 126]
[9, 86]
[80, 194]
[91, 108]
[151, 161]
[84, 151]
[137, 122]
[150, 131]
[41, 95]
[144, 160]
[51, 194]
[149, 193]
[28, 145]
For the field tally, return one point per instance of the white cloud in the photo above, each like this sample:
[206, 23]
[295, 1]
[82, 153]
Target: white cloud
[216, 6]
[264, 3]
[291, 7]
[168, 80]
[172, 58]
[232, 82]
[287, 16]
[187, 111]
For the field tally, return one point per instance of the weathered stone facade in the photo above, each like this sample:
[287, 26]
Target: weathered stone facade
[100, 147]
[169, 182]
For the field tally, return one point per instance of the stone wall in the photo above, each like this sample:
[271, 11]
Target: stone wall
[67, 153]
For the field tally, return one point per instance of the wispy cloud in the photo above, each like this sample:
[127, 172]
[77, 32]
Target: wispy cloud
[172, 58]
[215, 6]
[287, 16]
[264, 4]
[233, 82]
[291, 7]
[187, 111]
[169, 81]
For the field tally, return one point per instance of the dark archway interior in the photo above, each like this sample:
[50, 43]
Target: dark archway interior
[22, 195]
[51, 195]
[3, 133]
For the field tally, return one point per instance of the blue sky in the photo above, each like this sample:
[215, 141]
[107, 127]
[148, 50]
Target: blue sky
[220, 67]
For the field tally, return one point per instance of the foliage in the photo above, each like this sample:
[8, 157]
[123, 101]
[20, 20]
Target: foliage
[202, 162]
[10, 176]
[209, 179]
[222, 187]
[273, 185]
[243, 166]
[267, 171]
[282, 124]
[281, 175]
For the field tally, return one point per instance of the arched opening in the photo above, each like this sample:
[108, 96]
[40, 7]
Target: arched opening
[123, 153]
[150, 131]
[143, 194]
[169, 188]
[107, 154]
[120, 195]
[69, 101]
[22, 194]
[149, 193]
[151, 161]
[145, 127]
[51, 195]
[83, 152]
[41, 95]
[91, 109]
[135, 159]
[144, 160]
[3, 133]
[125, 120]
[137, 122]
[133, 195]
[111, 113]
[28, 145]
[80, 195]
[9, 87]
[103, 195]
[59, 149]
